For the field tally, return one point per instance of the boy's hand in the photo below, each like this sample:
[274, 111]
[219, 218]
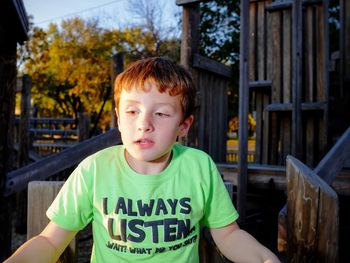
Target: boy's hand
[239, 246]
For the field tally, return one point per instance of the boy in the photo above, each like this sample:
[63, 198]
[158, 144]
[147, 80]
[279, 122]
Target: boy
[146, 198]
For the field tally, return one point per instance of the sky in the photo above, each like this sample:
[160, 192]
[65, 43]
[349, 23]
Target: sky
[111, 13]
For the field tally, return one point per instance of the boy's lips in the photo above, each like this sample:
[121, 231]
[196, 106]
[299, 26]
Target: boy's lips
[144, 142]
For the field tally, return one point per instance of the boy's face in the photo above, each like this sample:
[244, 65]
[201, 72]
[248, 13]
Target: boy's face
[149, 123]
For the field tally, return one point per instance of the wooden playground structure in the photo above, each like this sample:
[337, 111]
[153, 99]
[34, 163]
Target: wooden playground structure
[299, 93]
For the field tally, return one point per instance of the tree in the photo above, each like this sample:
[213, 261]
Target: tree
[70, 65]
[219, 33]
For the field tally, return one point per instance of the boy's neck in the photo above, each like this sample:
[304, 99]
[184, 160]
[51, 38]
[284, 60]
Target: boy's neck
[148, 167]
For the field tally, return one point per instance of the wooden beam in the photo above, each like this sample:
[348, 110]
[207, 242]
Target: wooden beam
[260, 84]
[278, 6]
[297, 78]
[306, 106]
[243, 112]
[329, 167]
[212, 66]
[268, 176]
[188, 2]
[43, 169]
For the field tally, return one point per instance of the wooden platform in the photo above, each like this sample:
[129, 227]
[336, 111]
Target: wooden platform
[274, 177]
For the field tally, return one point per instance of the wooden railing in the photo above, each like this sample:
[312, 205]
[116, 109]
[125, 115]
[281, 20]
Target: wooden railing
[313, 205]
[52, 135]
[55, 163]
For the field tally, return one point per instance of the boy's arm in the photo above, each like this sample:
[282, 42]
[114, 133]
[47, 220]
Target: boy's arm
[45, 247]
[239, 246]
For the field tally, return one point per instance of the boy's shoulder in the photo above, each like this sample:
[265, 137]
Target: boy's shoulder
[106, 154]
[190, 152]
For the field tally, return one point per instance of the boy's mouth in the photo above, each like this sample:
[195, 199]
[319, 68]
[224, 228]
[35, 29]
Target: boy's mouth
[144, 141]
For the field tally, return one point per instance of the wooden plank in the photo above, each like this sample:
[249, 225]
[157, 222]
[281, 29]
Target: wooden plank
[306, 106]
[52, 121]
[222, 121]
[297, 78]
[18, 179]
[212, 66]
[259, 125]
[266, 131]
[276, 57]
[285, 130]
[40, 196]
[274, 136]
[278, 6]
[309, 197]
[287, 4]
[260, 85]
[51, 132]
[261, 43]
[188, 2]
[320, 51]
[286, 139]
[309, 40]
[310, 141]
[263, 176]
[332, 163]
[324, 124]
[252, 41]
[287, 57]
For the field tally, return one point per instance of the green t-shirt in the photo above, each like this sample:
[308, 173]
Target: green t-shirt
[144, 218]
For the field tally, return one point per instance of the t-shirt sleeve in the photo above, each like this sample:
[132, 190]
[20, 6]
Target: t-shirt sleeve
[219, 209]
[72, 207]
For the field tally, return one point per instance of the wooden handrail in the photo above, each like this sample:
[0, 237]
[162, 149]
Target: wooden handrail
[329, 167]
[18, 179]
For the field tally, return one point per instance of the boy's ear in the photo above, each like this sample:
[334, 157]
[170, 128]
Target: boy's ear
[185, 126]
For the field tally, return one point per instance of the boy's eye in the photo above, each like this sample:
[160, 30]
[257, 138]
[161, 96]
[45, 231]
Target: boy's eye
[161, 114]
[130, 112]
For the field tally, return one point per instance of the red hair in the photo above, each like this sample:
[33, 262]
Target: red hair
[165, 74]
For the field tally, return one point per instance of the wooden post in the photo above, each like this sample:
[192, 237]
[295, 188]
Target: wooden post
[297, 78]
[117, 67]
[83, 126]
[23, 151]
[8, 74]
[189, 47]
[243, 113]
[40, 196]
[24, 124]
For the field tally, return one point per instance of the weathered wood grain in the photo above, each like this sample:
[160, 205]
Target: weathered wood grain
[313, 219]
[40, 196]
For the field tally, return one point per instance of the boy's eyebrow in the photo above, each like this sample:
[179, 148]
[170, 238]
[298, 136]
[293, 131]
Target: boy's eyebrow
[130, 101]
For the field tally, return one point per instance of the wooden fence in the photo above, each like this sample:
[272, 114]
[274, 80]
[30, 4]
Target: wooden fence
[291, 102]
[45, 135]
[209, 131]
[51, 135]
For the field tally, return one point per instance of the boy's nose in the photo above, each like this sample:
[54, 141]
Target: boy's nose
[145, 124]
